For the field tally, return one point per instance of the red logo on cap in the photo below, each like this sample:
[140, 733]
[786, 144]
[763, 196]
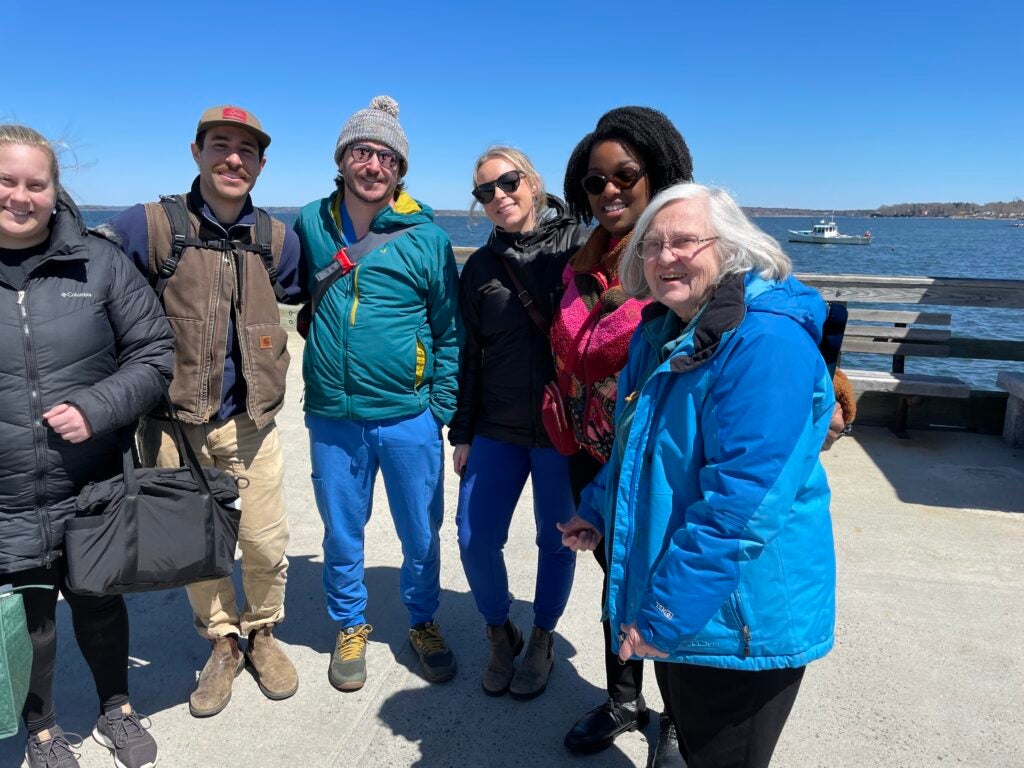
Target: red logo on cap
[231, 113]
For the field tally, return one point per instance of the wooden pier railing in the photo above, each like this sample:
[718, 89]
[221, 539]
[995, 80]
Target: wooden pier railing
[885, 320]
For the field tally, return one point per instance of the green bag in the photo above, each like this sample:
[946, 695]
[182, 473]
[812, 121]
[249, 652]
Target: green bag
[15, 661]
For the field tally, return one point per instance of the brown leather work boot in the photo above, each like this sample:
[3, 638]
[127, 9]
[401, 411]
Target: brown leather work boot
[531, 678]
[213, 691]
[275, 674]
[506, 642]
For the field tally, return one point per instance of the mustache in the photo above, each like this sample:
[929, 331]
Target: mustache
[240, 172]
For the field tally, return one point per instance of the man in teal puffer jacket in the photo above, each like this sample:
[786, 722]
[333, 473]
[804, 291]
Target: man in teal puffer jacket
[380, 372]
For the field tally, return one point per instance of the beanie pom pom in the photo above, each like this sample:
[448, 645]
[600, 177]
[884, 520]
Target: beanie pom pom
[385, 104]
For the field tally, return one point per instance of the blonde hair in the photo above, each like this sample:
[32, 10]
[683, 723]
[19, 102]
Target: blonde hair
[518, 160]
[11, 133]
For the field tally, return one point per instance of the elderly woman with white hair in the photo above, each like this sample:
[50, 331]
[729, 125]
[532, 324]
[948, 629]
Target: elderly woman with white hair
[714, 507]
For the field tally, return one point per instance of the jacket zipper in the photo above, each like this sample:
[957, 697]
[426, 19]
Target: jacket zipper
[638, 464]
[39, 438]
[355, 296]
[344, 344]
[744, 627]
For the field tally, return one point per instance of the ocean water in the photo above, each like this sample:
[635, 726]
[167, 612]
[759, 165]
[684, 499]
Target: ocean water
[930, 247]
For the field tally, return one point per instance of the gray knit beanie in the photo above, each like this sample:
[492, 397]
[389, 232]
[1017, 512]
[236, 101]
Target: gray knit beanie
[378, 122]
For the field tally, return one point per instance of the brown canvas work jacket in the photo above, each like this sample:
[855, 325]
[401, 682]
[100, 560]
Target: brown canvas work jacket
[209, 288]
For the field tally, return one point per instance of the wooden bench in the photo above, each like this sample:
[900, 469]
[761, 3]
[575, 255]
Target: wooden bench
[1013, 425]
[899, 335]
[909, 329]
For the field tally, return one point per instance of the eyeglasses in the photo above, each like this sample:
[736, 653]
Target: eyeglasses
[680, 246]
[508, 183]
[387, 159]
[624, 178]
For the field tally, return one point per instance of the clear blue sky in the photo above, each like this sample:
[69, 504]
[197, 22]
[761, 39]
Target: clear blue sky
[824, 104]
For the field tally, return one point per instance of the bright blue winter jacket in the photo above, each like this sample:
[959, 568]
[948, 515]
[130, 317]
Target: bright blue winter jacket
[714, 504]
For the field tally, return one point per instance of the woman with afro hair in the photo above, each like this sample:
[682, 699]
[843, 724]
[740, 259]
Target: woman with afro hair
[632, 154]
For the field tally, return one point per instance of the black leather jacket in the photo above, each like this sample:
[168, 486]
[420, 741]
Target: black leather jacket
[506, 359]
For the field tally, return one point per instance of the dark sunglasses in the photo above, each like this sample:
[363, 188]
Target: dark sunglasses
[624, 178]
[508, 183]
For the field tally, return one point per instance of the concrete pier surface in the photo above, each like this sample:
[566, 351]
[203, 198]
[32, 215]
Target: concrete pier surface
[927, 669]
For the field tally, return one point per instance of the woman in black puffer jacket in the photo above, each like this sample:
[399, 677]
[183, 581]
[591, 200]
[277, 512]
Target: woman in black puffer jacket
[85, 350]
[497, 431]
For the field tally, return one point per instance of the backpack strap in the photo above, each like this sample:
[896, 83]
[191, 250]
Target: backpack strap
[525, 298]
[832, 332]
[177, 216]
[345, 259]
[263, 237]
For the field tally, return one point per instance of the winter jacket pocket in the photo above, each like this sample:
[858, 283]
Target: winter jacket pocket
[268, 358]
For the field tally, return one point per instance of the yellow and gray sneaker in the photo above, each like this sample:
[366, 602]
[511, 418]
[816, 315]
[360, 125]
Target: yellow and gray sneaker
[436, 657]
[348, 661]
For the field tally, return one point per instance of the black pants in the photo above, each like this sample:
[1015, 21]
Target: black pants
[624, 681]
[727, 718]
[101, 629]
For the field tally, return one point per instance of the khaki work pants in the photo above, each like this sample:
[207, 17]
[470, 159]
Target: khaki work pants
[254, 457]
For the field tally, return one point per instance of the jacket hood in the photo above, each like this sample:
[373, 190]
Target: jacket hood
[733, 298]
[551, 218]
[789, 298]
[68, 230]
[406, 211]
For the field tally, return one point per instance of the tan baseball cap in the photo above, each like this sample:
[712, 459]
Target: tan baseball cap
[231, 115]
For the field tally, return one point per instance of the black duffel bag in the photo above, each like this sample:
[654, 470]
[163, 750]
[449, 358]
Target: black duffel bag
[151, 528]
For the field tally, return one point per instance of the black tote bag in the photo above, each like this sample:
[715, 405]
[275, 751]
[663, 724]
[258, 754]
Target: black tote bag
[151, 528]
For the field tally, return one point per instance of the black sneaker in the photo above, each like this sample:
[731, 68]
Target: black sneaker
[58, 751]
[125, 734]
[436, 657]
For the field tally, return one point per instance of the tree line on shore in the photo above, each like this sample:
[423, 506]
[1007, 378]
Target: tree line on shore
[1011, 210]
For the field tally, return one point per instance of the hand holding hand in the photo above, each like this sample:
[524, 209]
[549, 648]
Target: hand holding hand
[579, 535]
[68, 422]
[631, 643]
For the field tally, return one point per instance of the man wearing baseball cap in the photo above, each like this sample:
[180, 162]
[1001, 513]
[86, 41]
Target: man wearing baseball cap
[220, 281]
[380, 373]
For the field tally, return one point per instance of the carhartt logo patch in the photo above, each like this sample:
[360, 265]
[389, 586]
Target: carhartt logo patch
[265, 342]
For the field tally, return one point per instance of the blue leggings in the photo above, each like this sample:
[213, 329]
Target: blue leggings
[345, 456]
[495, 475]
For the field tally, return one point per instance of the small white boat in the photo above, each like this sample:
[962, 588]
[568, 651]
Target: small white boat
[827, 232]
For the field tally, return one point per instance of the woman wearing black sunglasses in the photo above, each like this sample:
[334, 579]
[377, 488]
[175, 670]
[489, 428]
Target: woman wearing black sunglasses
[632, 154]
[497, 432]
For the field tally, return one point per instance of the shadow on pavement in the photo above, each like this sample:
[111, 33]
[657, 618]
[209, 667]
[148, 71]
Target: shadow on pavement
[450, 724]
[959, 470]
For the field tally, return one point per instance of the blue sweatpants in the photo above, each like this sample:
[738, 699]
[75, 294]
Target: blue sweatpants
[495, 475]
[345, 457]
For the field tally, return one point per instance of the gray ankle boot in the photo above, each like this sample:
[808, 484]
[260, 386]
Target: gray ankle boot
[506, 642]
[531, 678]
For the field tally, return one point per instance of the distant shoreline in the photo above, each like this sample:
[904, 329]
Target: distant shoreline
[752, 211]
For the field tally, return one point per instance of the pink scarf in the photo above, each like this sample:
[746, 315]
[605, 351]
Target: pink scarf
[591, 332]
